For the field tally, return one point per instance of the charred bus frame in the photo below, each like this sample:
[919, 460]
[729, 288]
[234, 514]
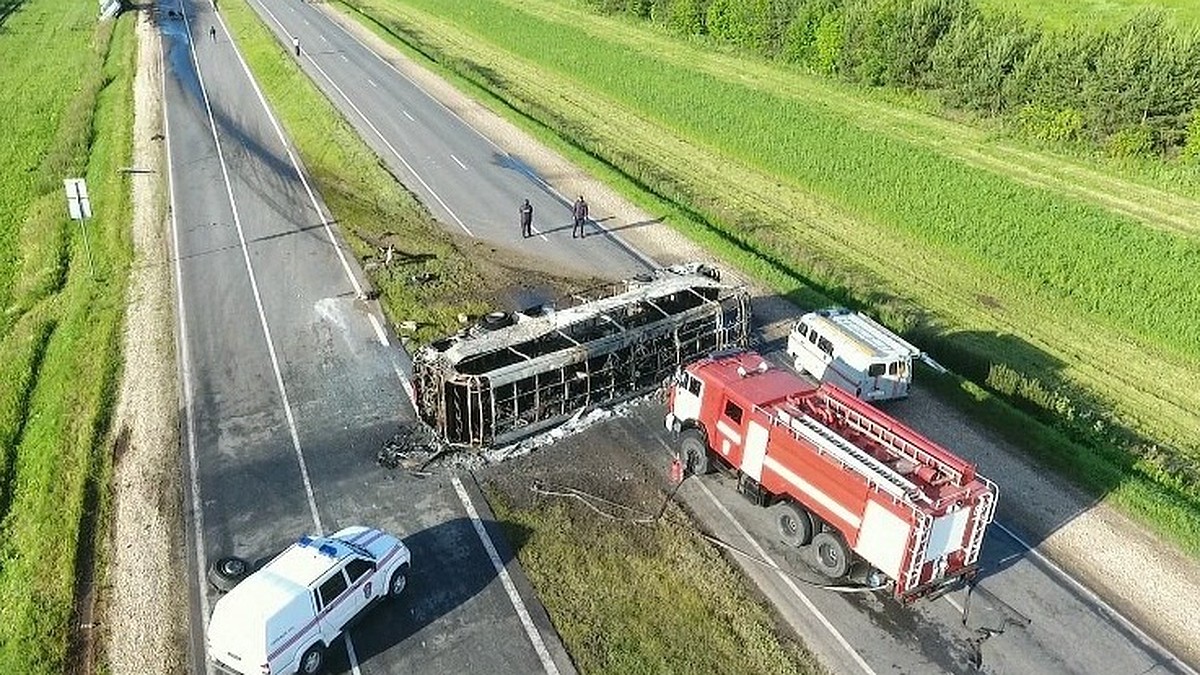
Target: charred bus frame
[486, 387]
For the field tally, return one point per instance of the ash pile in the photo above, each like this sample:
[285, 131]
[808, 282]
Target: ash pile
[415, 447]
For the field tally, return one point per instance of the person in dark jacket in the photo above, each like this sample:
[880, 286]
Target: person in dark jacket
[581, 214]
[526, 219]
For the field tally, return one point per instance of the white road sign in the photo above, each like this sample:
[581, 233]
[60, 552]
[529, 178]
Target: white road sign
[77, 198]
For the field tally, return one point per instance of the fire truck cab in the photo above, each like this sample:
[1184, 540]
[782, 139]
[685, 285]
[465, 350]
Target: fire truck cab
[842, 476]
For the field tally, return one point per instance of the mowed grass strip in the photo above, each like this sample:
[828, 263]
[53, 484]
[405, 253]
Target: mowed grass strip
[1086, 14]
[371, 208]
[630, 598]
[66, 87]
[793, 238]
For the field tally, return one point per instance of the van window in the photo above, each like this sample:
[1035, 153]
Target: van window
[802, 329]
[825, 346]
[813, 337]
[733, 411]
[876, 369]
[358, 567]
[692, 383]
[894, 368]
[332, 588]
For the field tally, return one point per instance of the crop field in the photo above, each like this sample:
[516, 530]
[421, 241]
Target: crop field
[1064, 13]
[66, 91]
[1055, 284]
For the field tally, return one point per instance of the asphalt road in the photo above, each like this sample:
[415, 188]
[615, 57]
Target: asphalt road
[1025, 616]
[290, 385]
[466, 181]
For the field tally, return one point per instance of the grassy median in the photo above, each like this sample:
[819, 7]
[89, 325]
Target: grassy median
[66, 89]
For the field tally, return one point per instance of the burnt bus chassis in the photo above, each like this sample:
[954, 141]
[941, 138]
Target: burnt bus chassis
[495, 387]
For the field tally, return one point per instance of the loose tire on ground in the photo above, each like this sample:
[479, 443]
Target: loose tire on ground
[693, 452]
[398, 582]
[794, 522]
[313, 660]
[227, 572]
[831, 554]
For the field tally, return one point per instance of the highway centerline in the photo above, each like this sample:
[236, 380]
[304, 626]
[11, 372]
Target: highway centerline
[458, 162]
[375, 129]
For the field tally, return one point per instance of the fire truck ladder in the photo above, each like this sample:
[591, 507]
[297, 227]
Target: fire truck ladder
[875, 471]
[985, 506]
[916, 549]
[896, 443]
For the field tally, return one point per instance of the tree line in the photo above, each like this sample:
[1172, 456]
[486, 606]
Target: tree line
[1131, 89]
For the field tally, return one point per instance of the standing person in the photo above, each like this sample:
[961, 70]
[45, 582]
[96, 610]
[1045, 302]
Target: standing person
[296, 44]
[212, 33]
[526, 219]
[581, 214]
[214, 5]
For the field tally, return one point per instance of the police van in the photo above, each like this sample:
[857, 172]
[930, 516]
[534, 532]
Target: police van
[282, 618]
[853, 351]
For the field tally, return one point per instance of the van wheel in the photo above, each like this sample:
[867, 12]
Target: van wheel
[398, 582]
[313, 660]
[227, 572]
[795, 524]
[693, 451]
[832, 556]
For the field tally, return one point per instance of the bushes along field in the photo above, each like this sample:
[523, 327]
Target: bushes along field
[1130, 88]
[1015, 284]
[65, 88]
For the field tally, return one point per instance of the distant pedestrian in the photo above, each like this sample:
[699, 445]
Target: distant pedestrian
[581, 214]
[296, 45]
[212, 33]
[526, 219]
[214, 5]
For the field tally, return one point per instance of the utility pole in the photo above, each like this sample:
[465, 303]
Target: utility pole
[80, 208]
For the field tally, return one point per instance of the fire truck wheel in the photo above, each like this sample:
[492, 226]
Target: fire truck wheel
[795, 524]
[694, 452]
[833, 560]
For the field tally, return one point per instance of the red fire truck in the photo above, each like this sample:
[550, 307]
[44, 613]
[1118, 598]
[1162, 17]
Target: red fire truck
[841, 475]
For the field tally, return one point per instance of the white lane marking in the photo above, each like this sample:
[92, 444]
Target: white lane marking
[410, 117]
[1091, 595]
[953, 604]
[262, 316]
[378, 330]
[185, 367]
[456, 161]
[641, 257]
[287, 148]
[344, 58]
[371, 82]
[324, 39]
[531, 630]
[407, 385]
[837, 635]
[353, 656]
[378, 133]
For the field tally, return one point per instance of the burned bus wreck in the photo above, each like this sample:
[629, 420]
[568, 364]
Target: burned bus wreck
[512, 377]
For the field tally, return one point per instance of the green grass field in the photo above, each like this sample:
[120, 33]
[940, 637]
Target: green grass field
[1050, 281]
[1067, 13]
[632, 598]
[66, 89]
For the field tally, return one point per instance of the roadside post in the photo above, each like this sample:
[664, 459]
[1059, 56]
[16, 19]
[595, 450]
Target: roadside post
[80, 209]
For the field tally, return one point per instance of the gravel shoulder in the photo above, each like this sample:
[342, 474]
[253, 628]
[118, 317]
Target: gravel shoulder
[1144, 577]
[145, 598]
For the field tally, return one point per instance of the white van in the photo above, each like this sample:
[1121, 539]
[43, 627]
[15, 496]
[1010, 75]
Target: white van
[282, 618]
[853, 351]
